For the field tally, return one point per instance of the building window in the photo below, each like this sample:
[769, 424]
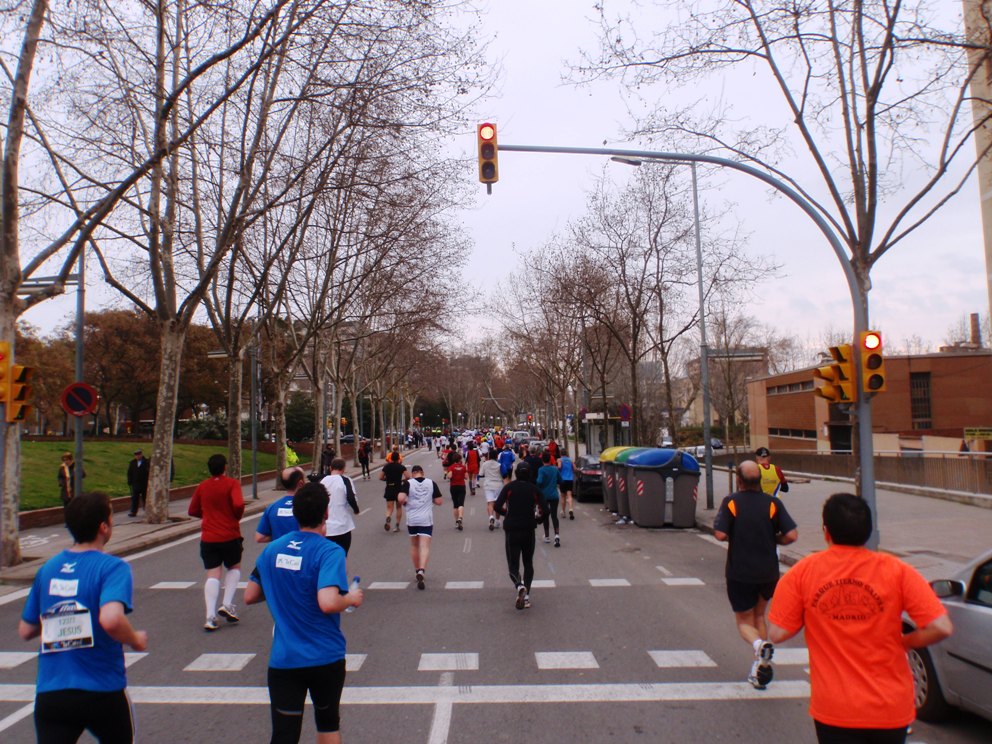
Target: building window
[919, 400]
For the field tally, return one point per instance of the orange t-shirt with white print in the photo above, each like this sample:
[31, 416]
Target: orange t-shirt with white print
[851, 600]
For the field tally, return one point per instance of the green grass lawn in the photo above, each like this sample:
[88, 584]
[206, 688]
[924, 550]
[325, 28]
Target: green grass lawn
[105, 463]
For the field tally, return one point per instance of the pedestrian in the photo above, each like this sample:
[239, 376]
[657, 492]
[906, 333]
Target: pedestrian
[67, 478]
[457, 473]
[303, 579]
[220, 505]
[850, 601]
[420, 495]
[773, 479]
[78, 604]
[492, 484]
[341, 492]
[394, 474]
[523, 506]
[547, 483]
[566, 483]
[506, 460]
[137, 481]
[472, 464]
[754, 523]
[327, 456]
[277, 519]
[532, 457]
[365, 457]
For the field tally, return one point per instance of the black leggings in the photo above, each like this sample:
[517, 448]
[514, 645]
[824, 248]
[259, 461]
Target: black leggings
[365, 467]
[838, 735]
[552, 514]
[520, 544]
[61, 716]
[288, 694]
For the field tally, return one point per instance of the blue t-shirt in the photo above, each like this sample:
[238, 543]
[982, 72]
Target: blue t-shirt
[547, 481]
[506, 459]
[278, 519]
[65, 599]
[291, 570]
[567, 471]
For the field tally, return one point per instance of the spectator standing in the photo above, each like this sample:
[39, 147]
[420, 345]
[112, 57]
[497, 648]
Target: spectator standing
[218, 502]
[327, 456]
[341, 492]
[365, 457]
[516, 502]
[83, 594]
[420, 495]
[67, 478]
[137, 481]
[851, 600]
[303, 579]
[773, 479]
[278, 520]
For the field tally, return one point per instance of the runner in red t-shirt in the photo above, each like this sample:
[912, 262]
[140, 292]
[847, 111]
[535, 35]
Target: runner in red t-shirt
[456, 476]
[472, 465]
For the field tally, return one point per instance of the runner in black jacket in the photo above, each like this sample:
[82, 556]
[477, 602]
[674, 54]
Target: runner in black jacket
[516, 503]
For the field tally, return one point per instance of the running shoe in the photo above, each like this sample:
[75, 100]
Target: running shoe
[212, 624]
[526, 601]
[557, 541]
[229, 613]
[397, 527]
[547, 539]
[420, 580]
[388, 526]
[458, 525]
[760, 675]
[571, 514]
[521, 597]
[492, 524]
[765, 653]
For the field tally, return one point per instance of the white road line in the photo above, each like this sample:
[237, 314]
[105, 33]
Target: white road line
[441, 720]
[11, 659]
[664, 570]
[18, 715]
[172, 585]
[219, 663]
[464, 585]
[353, 662]
[790, 656]
[542, 584]
[711, 539]
[448, 662]
[683, 582]
[133, 657]
[566, 660]
[673, 659]
[609, 582]
[14, 596]
[389, 585]
[635, 692]
[468, 545]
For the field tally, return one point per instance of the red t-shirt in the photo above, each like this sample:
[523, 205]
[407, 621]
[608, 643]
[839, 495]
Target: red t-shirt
[850, 601]
[456, 474]
[218, 502]
[472, 460]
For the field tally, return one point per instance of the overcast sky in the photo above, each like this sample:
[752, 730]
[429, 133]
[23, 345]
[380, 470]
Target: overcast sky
[921, 288]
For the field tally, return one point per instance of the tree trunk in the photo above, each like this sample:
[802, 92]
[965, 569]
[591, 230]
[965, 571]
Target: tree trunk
[235, 376]
[278, 413]
[171, 348]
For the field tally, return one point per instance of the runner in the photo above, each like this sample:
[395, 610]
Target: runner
[506, 460]
[566, 483]
[472, 466]
[773, 480]
[457, 472]
[218, 502]
[517, 501]
[492, 483]
[341, 493]
[278, 520]
[82, 683]
[547, 483]
[302, 577]
[394, 473]
[420, 494]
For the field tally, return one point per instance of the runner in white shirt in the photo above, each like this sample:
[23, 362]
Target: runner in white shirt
[420, 495]
[492, 483]
[341, 491]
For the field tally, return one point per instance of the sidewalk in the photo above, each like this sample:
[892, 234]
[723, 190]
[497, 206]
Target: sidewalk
[934, 535]
[131, 534]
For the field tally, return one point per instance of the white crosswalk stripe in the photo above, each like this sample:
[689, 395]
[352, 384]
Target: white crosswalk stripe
[609, 582]
[219, 663]
[173, 585]
[448, 662]
[683, 582]
[11, 659]
[681, 658]
[566, 660]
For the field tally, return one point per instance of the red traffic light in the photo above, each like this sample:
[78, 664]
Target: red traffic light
[872, 341]
[487, 131]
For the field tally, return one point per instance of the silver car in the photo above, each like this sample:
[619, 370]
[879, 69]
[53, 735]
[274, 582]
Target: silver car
[958, 670]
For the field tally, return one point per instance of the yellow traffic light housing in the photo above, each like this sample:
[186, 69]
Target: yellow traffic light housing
[838, 378]
[488, 150]
[4, 369]
[19, 393]
[872, 363]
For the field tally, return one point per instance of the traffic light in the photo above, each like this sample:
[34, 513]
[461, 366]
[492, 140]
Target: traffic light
[488, 163]
[19, 393]
[872, 362]
[4, 369]
[838, 378]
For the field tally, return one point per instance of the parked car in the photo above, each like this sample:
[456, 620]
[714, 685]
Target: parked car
[958, 671]
[347, 439]
[588, 479]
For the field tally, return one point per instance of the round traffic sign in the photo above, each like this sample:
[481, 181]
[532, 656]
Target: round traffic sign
[79, 399]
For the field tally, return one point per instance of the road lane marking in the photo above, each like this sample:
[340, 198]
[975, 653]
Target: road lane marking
[566, 660]
[172, 585]
[711, 539]
[219, 663]
[448, 662]
[635, 692]
[609, 582]
[389, 585]
[683, 582]
[18, 715]
[353, 662]
[133, 657]
[11, 659]
[674, 659]
[14, 596]
[664, 570]
[468, 545]
[542, 584]
[441, 720]
[790, 656]
[464, 585]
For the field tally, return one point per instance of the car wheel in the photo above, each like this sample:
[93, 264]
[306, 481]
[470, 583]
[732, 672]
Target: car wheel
[928, 697]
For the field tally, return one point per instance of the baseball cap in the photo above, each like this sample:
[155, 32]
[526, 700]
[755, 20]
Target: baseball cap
[762, 452]
[137, 452]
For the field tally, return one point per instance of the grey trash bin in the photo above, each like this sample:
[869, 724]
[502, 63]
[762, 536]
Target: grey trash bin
[610, 482]
[663, 488]
[625, 479]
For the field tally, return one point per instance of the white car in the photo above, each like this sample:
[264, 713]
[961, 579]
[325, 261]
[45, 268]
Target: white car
[958, 670]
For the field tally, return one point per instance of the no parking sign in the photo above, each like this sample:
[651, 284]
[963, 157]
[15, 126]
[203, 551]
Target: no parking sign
[79, 399]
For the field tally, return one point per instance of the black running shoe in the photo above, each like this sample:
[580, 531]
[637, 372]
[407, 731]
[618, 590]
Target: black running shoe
[420, 580]
[521, 594]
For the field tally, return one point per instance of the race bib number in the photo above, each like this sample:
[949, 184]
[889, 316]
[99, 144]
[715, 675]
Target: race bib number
[289, 562]
[66, 626]
[284, 511]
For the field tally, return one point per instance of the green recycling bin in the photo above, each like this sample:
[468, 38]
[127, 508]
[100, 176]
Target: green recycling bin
[607, 457]
[663, 488]
[625, 479]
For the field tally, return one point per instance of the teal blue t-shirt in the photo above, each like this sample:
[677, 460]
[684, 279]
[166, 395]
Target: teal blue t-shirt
[547, 481]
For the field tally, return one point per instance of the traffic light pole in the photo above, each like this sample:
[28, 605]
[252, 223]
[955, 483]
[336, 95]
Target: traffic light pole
[866, 476]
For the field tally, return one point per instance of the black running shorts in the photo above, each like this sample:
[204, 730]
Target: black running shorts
[228, 553]
[458, 496]
[63, 715]
[743, 595]
[288, 693]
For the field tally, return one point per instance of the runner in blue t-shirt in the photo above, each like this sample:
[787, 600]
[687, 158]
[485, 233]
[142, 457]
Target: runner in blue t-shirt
[78, 605]
[566, 484]
[506, 459]
[302, 578]
[277, 519]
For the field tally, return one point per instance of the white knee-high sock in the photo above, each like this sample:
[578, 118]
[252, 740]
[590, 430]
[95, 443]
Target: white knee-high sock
[211, 589]
[231, 584]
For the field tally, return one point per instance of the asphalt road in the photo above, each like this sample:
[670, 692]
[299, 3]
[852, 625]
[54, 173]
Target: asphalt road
[630, 639]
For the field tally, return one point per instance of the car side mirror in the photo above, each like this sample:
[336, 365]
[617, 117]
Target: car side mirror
[945, 588]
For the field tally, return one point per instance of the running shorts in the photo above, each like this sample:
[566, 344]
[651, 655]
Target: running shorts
[215, 553]
[566, 486]
[458, 496]
[288, 693]
[415, 530]
[743, 595]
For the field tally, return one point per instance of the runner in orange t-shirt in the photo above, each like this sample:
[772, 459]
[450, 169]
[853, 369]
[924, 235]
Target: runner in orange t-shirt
[850, 600]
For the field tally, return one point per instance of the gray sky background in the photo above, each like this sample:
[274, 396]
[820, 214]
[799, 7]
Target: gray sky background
[921, 288]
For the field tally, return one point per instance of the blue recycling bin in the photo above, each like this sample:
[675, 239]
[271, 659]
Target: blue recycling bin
[625, 479]
[663, 488]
